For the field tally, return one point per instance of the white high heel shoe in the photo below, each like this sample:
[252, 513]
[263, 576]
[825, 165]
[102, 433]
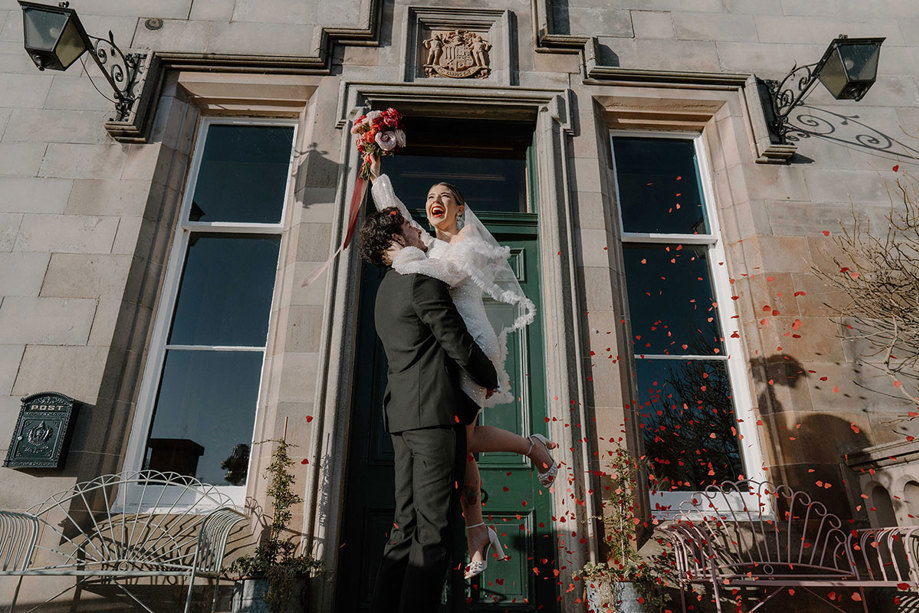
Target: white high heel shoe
[547, 477]
[477, 567]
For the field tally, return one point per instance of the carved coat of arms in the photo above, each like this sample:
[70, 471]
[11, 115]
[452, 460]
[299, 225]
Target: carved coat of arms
[456, 54]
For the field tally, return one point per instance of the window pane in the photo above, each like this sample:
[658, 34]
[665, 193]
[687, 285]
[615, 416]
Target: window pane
[686, 417]
[485, 158]
[671, 300]
[243, 174]
[205, 411]
[487, 185]
[226, 290]
[659, 186]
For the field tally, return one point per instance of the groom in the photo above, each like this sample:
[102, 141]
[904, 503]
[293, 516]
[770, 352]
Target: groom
[425, 413]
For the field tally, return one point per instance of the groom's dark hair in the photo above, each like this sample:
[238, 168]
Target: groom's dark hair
[376, 235]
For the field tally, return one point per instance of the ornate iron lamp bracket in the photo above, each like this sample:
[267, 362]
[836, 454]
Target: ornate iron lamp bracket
[788, 93]
[119, 70]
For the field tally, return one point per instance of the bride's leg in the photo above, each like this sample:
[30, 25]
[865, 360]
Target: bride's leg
[471, 500]
[490, 438]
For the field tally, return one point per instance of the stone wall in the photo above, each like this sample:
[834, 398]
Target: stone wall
[86, 222]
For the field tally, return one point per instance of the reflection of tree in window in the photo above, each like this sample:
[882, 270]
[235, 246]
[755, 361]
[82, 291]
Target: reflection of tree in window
[687, 421]
[236, 465]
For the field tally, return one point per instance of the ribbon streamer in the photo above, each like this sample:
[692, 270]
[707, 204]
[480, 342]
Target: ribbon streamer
[357, 197]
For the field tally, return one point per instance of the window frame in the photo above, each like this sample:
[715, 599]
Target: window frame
[158, 344]
[734, 354]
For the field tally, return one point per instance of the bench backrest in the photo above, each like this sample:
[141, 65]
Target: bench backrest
[756, 529]
[135, 522]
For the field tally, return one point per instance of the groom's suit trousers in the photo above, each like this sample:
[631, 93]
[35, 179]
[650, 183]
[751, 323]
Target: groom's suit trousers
[429, 465]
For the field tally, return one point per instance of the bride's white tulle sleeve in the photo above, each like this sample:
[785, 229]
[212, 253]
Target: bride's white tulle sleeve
[411, 260]
[384, 197]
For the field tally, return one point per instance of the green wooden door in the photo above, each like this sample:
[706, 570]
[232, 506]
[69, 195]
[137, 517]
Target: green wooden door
[515, 504]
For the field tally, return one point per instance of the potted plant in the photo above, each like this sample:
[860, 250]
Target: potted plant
[275, 577]
[626, 582]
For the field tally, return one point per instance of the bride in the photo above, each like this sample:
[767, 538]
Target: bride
[466, 256]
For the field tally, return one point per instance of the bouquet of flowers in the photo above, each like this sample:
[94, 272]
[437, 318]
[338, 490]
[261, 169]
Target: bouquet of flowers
[378, 133]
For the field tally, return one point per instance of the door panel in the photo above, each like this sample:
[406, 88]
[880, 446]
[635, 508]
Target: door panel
[514, 504]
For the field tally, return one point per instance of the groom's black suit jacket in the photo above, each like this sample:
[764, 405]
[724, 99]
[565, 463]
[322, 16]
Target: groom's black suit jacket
[426, 342]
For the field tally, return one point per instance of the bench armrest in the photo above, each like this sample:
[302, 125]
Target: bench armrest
[18, 538]
[212, 538]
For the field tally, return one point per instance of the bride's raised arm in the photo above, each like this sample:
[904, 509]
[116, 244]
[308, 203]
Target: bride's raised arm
[384, 197]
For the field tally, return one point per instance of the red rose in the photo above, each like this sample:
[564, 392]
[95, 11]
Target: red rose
[369, 136]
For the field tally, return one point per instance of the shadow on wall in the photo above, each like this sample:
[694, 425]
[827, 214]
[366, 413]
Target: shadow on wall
[848, 131]
[315, 170]
[805, 450]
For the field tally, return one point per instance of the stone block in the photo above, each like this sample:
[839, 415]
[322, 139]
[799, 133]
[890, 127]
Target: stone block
[317, 211]
[16, 63]
[75, 161]
[9, 229]
[117, 197]
[810, 7]
[652, 24]
[783, 253]
[804, 29]
[298, 374]
[586, 176]
[10, 356]
[704, 6]
[45, 321]
[588, 21]
[34, 195]
[177, 35]
[592, 247]
[79, 275]
[807, 218]
[66, 234]
[313, 241]
[212, 10]
[263, 38]
[57, 126]
[177, 9]
[696, 26]
[24, 90]
[291, 291]
[592, 211]
[597, 288]
[771, 182]
[835, 186]
[283, 11]
[303, 328]
[75, 92]
[754, 7]
[766, 60]
[4, 120]
[74, 371]
[21, 159]
[126, 239]
[141, 162]
[664, 54]
[22, 273]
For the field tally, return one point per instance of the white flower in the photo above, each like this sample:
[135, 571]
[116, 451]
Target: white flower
[400, 138]
[386, 141]
[373, 115]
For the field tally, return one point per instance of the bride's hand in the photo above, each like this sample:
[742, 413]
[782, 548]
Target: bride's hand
[374, 168]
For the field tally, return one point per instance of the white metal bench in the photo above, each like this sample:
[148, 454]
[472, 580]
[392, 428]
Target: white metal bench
[757, 535]
[117, 528]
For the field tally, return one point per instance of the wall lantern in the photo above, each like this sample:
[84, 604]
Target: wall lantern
[55, 39]
[847, 69]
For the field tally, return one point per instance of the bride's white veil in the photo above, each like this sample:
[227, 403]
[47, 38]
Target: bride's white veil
[489, 268]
